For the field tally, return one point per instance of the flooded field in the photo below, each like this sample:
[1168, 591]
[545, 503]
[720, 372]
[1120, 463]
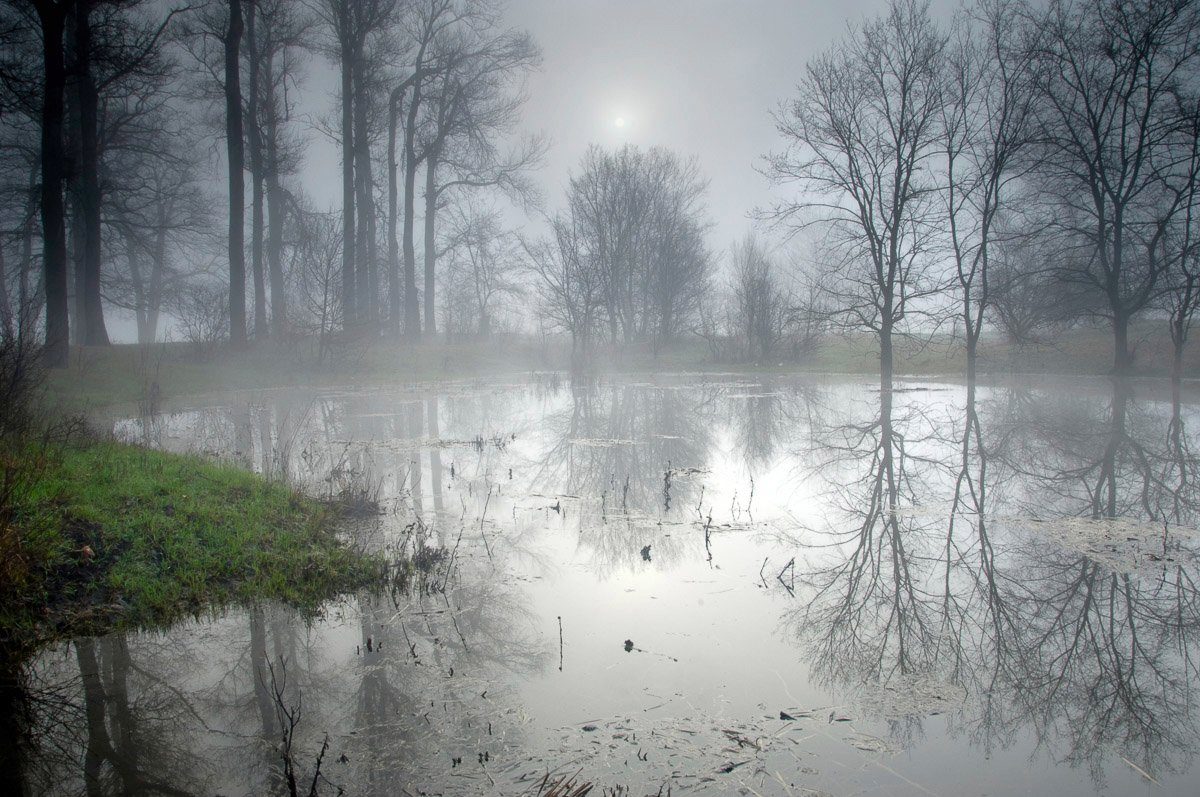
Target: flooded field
[710, 586]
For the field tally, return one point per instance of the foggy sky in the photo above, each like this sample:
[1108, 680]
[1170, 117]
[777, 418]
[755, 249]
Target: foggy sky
[698, 76]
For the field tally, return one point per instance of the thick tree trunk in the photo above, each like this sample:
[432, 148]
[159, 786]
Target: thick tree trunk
[275, 254]
[255, 139]
[26, 303]
[256, 253]
[54, 234]
[349, 285]
[93, 331]
[886, 356]
[139, 288]
[158, 270]
[75, 237]
[6, 308]
[431, 200]
[366, 267]
[237, 188]
[1122, 356]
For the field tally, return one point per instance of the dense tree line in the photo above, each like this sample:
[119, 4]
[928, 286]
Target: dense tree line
[110, 116]
[1035, 165]
[1021, 167]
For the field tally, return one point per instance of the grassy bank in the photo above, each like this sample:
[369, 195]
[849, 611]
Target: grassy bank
[129, 374]
[102, 536]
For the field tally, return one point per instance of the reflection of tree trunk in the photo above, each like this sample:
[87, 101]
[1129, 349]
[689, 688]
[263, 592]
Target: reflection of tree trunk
[414, 473]
[243, 432]
[98, 747]
[116, 649]
[14, 728]
[435, 464]
[261, 676]
[1104, 498]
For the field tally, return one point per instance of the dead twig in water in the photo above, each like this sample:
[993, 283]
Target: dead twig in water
[482, 518]
[790, 566]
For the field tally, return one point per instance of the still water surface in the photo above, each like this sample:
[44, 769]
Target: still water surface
[785, 587]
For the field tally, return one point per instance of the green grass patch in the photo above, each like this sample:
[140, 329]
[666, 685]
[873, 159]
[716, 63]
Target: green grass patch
[107, 536]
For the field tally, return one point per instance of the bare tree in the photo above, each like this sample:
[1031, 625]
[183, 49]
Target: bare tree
[237, 199]
[473, 100]
[569, 287]
[639, 217]
[861, 137]
[987, 118]
[758, 304]
[282, 33]
[159, 212]
[1182, 293]
[50, 18]
[317, 283]
[353, 24]
[1114, 146]
[483, 268]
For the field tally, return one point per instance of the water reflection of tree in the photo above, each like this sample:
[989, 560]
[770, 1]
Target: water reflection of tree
[871, 614]
[626, 450]
[1051, 642]
[105, 723]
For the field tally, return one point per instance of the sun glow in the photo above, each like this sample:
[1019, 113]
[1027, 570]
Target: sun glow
[619, 121]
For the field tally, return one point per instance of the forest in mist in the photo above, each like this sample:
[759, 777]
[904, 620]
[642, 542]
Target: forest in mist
[1002, 168]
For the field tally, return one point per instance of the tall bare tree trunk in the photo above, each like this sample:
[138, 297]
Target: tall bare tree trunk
[412, 307]
[431, 201]
[93, 331]
[366, 267]
[349, 285]
[394, 102]
[255, 140]
[54, 234]
[139, 286]
[6, 308]
[158, 270]
[237, 188]
[275, 211]
[26, 303]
